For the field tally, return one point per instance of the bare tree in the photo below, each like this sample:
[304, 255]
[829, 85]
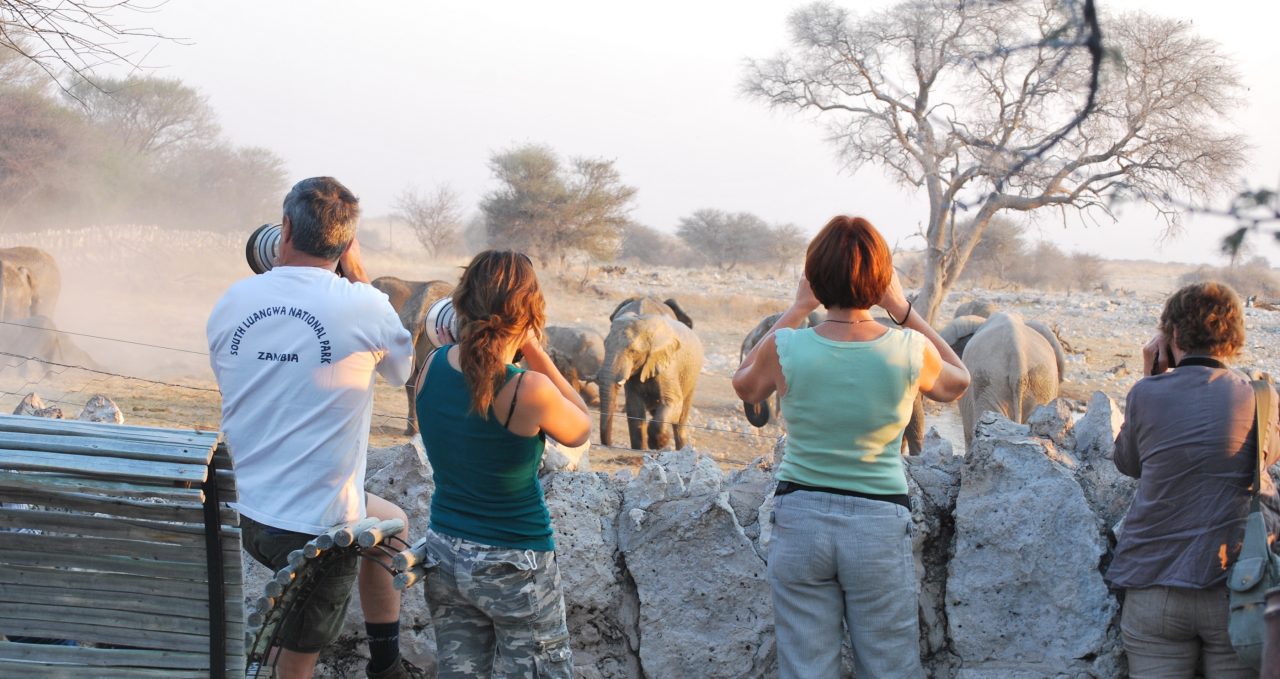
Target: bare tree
[435, 217]
[1087, 271]
[978, 124]
[73, 36]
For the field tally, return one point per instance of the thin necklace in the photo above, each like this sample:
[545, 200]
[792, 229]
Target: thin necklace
[860, 320]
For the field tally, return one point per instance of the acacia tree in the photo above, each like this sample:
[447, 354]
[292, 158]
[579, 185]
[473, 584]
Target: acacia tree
[729, 239]
[149, 115]
[987, 119]
[435, 217]
[550, 211]
[722, 238]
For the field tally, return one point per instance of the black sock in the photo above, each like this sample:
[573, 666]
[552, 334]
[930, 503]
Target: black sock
[384, 644]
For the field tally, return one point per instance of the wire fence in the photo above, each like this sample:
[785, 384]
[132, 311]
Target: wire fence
[70, 386]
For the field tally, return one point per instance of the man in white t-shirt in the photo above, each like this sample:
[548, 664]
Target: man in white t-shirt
[294, 351]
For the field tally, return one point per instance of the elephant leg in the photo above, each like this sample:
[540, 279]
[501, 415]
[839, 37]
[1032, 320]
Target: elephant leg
[663, 421]
[681, 427]
[413, 411]
[635, 419]
[913, 437]
[967, 418]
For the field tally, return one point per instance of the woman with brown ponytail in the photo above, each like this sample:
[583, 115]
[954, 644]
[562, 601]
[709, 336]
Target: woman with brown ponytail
[492, 582]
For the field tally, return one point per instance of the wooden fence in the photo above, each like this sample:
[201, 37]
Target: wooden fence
[118, 538]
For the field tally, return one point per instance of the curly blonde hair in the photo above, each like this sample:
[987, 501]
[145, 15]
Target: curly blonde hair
[497, 300]
[1208, 318]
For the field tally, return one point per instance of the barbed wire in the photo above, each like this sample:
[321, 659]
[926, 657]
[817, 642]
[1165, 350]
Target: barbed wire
[106, 375]
[100, 337]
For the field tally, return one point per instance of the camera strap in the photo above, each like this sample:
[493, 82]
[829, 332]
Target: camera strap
[1206, 361]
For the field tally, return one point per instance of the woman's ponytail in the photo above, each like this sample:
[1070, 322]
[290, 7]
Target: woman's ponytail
[497, 301]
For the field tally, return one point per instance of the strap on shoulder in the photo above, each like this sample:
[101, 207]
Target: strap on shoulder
[1262, 408]
[514, 395]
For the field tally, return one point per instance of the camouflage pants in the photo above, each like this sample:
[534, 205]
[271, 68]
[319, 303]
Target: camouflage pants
[497, 612]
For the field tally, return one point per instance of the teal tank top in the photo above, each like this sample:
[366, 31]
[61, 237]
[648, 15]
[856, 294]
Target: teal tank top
[846, 407]
[487, 488]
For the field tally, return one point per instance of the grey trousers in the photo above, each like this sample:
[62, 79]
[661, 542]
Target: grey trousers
[1170, 632]
[497, 612]
[833, 559]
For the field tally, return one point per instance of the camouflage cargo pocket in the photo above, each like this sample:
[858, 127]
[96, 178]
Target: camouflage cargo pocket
[503, 584]
[553, 658]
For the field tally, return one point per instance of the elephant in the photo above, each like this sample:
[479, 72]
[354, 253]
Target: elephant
[958, 332]
[16, 292]
[1014, 366]
[758, 414]
[397, 290]
[578, 354]
[38, 338]
[46, 280]
[651, 305]
[659, 359]
[975, 307]
[415, 299]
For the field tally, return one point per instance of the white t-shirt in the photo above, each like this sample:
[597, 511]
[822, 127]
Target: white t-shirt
[294, 351]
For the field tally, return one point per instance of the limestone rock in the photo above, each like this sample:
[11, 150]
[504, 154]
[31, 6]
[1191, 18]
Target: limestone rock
[933, 481]
[1108, 491]
[1054, 421]
[600, 598]
[1024, 591]
[704, 602]
[559, 457]
[992, 425]
[1096, 431]
[748, 488]
[32, 405]
[101, 409]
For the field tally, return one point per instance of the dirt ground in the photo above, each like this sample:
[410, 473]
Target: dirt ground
[137, 299]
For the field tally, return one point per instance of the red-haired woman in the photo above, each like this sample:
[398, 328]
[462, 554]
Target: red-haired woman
[841, 545]
[494, 591]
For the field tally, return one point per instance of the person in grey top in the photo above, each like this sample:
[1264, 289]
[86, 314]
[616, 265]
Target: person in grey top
[1188, 437]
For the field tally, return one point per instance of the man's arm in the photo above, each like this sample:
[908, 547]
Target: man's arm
[1126, 453]
[352, 265]
[397, 362]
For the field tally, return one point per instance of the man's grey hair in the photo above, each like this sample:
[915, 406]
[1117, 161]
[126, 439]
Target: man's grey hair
[322, 216]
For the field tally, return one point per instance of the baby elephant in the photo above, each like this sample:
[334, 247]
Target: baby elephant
[658, 359]
[1014, 366]
[578, 354]
[758, 414]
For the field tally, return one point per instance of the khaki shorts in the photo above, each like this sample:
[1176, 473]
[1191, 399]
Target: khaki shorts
[316, 622]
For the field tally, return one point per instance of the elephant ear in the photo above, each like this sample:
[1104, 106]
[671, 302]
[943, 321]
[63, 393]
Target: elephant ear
[680, 314]
[959, 331]
[663, 345]
[618, 309]
[1052, 337]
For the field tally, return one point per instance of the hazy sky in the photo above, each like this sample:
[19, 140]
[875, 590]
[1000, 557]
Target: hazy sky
[390, 94]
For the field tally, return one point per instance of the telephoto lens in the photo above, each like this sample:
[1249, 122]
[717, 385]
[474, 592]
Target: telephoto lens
[263, 248]
[442, 322]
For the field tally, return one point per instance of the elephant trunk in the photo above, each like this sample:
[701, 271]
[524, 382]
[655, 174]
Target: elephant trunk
[615, 370]
[607, 395]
